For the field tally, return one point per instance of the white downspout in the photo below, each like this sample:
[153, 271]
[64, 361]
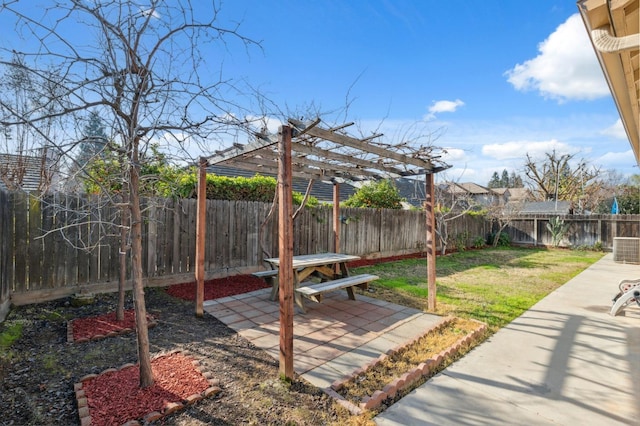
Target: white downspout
[605, 42]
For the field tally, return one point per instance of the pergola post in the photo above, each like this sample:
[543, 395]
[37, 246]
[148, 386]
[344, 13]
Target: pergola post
[336, 222]
[336, 217]
[431, 241]
[200, 235]
[285, 250]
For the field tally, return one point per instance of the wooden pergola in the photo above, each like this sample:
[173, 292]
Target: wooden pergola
[307, 150]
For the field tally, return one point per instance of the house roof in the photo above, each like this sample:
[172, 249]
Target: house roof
[539, 207]
[613, 27]
[413, 190]
[21, 172]
[474, 188]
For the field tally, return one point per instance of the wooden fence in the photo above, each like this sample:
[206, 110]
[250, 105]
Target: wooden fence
[57, 245]
[584, 230]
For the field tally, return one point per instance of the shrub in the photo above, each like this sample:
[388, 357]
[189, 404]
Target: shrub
[478, 242]
[377, 195]
[503, 239]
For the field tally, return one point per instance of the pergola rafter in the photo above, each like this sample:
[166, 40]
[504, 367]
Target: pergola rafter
[309, 160]
[305, 149]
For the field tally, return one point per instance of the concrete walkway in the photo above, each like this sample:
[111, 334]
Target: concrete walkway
[332, 339]
[566, 361]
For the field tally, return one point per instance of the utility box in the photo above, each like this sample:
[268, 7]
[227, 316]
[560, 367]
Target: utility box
[626, 250]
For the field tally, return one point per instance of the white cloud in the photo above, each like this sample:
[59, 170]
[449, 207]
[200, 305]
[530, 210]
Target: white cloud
[453, 154]
[616, 159]
[154, 13]
[616, 130]
[443, 106]
[518, 149]
[456, 174]
[566, 67]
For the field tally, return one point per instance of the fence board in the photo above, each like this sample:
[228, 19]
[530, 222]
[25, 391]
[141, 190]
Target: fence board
[35, 255]
[20, 216]
[71, 237]
[5, 249]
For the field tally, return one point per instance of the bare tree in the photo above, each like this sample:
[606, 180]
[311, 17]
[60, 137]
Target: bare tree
[559, 177]
[452, 202]
[145, 68]
[28, 162]
[501, 216]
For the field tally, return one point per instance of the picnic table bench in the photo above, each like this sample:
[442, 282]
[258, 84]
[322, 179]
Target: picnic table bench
[324, 266]
[314, 291]
[271, 277]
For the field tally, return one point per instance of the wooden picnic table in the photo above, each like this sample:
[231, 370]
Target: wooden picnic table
[322, 265]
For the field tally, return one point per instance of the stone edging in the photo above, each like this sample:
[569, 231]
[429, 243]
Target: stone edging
[169, 408]
[151, 322]
[409, 378]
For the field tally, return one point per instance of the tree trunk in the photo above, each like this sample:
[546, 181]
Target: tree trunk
[123, 262]
[142, 331]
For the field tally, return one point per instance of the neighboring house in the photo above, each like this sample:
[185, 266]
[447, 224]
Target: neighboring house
[513, 196]
[480, 194]
[321, 190]
[502, 194]
[472, 192]
[519, 195]
[37, 173]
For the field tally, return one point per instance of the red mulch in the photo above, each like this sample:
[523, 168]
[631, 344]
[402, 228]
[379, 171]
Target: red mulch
[221, 287]
[115, 397]
[369, 262]
[103, 325]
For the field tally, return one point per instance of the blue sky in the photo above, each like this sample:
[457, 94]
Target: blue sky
[491, 80]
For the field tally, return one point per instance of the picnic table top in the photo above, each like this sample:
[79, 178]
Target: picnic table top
[318, 259]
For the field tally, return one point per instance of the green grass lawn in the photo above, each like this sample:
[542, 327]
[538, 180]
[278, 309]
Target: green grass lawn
[491, 285]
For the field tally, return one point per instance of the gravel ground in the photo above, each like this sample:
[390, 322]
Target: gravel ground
[39, 369]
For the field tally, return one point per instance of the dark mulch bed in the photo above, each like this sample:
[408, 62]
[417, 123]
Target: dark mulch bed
[38, 371]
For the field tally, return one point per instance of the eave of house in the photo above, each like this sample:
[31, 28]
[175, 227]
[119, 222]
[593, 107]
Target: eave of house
[621, 19]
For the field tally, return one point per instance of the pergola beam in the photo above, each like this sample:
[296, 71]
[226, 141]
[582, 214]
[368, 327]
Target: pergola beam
[238, 149]
[348, 159]
[255, 165]
[358, 144]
